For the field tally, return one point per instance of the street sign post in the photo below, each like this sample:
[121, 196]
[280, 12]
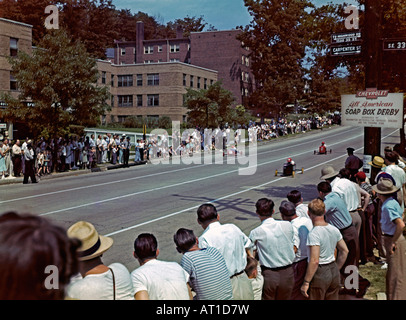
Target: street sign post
[394, 44]
[346, 37]
[342, 50]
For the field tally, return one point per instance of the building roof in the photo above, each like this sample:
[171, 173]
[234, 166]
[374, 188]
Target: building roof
[16, 22]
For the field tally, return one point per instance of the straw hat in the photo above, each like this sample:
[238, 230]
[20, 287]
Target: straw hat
[328, 172]
[385, 186]
[377, 162]
[93, 244]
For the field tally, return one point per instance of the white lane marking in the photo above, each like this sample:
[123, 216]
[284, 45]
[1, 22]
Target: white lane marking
[225, 197]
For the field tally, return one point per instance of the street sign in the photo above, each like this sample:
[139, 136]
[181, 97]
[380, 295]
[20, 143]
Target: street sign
[346, 37]
[342, 50]
[391, 44]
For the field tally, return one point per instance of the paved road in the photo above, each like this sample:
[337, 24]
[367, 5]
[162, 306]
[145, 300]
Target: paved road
[161, 198]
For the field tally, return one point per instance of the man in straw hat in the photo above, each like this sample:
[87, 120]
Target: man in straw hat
[394, 241]
[96, 280]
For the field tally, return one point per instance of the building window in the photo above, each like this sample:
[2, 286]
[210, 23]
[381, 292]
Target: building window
[153, 100]
[153, 79]
[160, 49]
[148, 61]
[198, 82]
[192, 81]
[103, 77]
[112, 101]
[13, 47]
[139, 100]
[125, 81]
[13, 83]
[139, 80]
[121, 119]
[205, 84]
[112, 80]
[148, 49]
[174, 48]
[174, 60]
[125, 101]
[184, 80]
[123, 51]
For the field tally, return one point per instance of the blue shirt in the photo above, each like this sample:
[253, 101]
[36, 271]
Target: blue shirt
[391, 210]
[209, 275]
[337, 213]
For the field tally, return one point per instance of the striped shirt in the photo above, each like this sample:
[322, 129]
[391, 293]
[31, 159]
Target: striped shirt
[209, 276]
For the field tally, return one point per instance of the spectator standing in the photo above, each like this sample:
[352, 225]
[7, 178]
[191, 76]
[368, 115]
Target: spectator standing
[29, 164]
[155, 279]
[295, 197]
[302, 226]
[29, 245]
[2, 160]
[353, 163]
[96, 280]
[253, 271]
[232, 243]
[394, 240]
[322, 279]
[397, 173]
[207, 269]
[16, 158]
[274, 243]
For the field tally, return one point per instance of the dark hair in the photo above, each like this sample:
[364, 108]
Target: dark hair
[252, 264]
[28, 245]
[294, 196]
[265, 207]
[287, 208]
[324, 187]
[206, 212]
[345, 173]
[391, 156]
[145, 246]
[184, 240]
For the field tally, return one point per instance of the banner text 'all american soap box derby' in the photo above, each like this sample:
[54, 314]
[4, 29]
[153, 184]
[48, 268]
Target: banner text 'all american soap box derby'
[372, 108]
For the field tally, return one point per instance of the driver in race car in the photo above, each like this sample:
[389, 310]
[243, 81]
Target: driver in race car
[323, 148]
[288, 167]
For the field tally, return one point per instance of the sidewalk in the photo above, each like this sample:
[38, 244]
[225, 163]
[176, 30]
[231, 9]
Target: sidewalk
[99, 168]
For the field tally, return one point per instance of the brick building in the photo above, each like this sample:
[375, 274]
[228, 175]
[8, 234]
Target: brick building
[215, 50]
[151, 90]
[14, 36]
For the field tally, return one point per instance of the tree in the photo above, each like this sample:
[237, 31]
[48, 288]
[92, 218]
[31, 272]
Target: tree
[276, 38]
[60, 78]
[209, 108]
[189, 25]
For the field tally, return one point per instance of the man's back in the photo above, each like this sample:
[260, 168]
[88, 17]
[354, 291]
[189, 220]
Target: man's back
[209, 275]
[162, 280]
[230, 241]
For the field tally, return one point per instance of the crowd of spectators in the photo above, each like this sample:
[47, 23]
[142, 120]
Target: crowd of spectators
[304, 255]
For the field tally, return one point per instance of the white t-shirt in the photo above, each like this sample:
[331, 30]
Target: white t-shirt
[100, 286]
[162, 280]
[347, 191]
[326, 237]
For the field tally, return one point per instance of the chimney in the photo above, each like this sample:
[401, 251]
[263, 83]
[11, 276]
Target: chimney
[139, 47]
[179, 32]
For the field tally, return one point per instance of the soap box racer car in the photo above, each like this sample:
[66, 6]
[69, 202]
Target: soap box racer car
[322, 149]
[289, 169]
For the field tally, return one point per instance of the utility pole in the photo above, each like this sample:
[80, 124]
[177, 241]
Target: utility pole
[373, 69]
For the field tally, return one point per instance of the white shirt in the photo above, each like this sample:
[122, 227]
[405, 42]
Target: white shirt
[347, 191]
[100, 286]
[230, 241]
[397, 173]
[301, 227]
[301, 211]
[326, 237]
[274, 241]
[162, 280]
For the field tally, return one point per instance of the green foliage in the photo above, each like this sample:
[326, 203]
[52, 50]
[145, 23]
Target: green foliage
[60, 78]
[276, 38]
[209, 108]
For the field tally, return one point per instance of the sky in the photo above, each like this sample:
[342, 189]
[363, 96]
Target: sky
[222, 14]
